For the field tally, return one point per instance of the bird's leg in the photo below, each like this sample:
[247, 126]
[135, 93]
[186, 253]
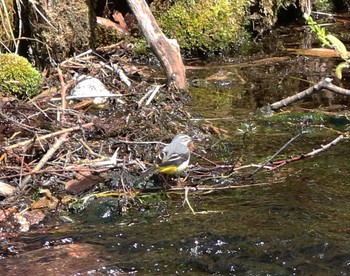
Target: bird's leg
[182, 181]
[165, 179]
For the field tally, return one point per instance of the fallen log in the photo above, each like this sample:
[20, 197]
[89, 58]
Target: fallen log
[166, 50]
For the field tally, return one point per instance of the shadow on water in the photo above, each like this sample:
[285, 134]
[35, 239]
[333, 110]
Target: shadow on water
[299, 224]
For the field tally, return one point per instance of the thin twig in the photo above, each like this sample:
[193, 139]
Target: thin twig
[253, 63]
[73, 168]
[280, 163]
[205, 159]
[123, 77]
[76, 57]
[45, 158]
[324, 147]
[43, 137]
[87, 96]
[89, 150]
[301, 95]
[187, 201]
[201, 188]
[6, 22]
[26, 127]
[63, 93]
[41, 14]
[40, 110]
[140, 102]
[116, 69]
[278, 152]
[139, 143]
[150, 94]
[20, 25]
[110, 162]
[153, 94]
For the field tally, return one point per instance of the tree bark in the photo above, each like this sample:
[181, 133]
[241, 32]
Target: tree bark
[66, 27]
[166, 50]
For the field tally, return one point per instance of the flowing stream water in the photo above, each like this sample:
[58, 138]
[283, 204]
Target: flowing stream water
[297, 222]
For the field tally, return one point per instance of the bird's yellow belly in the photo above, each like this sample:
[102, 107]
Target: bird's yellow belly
[168, 170]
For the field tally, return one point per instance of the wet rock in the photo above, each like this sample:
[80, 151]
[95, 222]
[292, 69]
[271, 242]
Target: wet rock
[105, 209]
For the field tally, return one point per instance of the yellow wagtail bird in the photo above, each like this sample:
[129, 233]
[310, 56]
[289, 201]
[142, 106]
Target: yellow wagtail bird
[174, 158]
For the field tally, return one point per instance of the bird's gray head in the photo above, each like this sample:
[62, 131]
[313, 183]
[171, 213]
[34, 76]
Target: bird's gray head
[182, 138]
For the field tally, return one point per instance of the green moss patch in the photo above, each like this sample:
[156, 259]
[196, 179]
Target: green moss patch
[17, 77]
[205, 24]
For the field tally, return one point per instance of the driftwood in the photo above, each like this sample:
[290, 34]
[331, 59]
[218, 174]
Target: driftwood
[323, 84]
[315, 52]
[253, 63]
[166, 50]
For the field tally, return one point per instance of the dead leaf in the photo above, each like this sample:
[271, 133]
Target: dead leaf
[84, 180]
[29, 218]
[4, 214]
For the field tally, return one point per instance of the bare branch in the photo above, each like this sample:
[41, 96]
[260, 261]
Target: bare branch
[323, 84]
[45, 158]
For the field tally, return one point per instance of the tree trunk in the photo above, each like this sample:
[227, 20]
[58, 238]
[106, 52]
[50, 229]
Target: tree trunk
[66, 27]
[166, 50]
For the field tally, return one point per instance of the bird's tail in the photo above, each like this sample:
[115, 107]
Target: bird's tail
[141, 179]
[148, 172]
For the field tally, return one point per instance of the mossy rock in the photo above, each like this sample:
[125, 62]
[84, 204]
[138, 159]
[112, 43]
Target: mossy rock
[17, 77]
[205, 25]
